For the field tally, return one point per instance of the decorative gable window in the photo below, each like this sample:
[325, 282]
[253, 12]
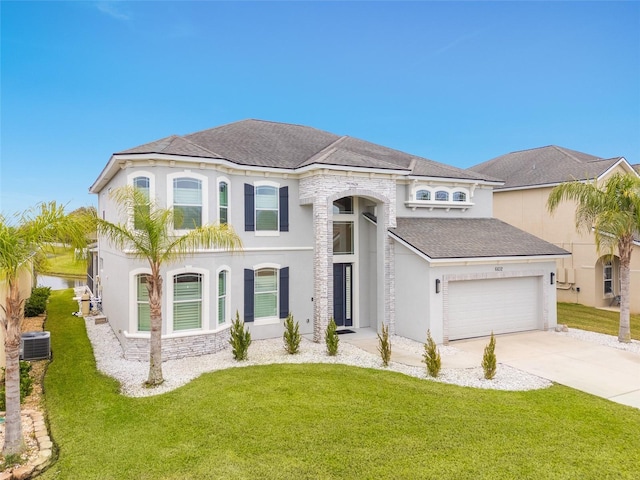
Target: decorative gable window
[266, 208]
[440, 196]
[423, 195]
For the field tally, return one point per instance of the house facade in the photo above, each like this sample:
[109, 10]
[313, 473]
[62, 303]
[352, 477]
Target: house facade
[332, 226]
[588, 277]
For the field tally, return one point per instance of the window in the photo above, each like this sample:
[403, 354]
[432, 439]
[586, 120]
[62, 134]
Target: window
[187, 301]
[266, 208]
[266, 293]
[222, 297]
[343, 206]
[459, 197]
[423, 195]
[142, 184]
[442, 196]
[608, 278]
[223, 202]
[187, 203]
[342, 238]
[144, 313]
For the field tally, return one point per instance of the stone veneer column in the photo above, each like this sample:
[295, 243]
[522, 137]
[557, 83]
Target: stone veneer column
[322, 267]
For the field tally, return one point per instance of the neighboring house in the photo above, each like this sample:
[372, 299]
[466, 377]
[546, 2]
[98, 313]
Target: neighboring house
[636, 167]
[25, 280]
[587, 277]
[332, 226]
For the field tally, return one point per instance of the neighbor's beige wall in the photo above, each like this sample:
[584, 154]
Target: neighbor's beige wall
[527, 210]
[25, 282]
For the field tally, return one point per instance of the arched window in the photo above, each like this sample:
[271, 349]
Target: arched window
[459, 197]
[223, 297]
[423, 195]
[187, 301]
[187, 203]
[442, 196]
[223, 201]
[142, 299]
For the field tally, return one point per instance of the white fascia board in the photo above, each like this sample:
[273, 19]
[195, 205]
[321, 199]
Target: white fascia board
[466, 260]
[626, 165]
[449, 180]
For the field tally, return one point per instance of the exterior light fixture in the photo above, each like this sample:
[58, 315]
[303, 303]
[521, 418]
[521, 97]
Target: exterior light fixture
[437, 285]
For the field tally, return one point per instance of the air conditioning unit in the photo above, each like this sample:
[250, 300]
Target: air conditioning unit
[35, 345]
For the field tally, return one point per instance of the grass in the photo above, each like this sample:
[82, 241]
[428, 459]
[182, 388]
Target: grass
[321, 422]
[579, 316]
[63, 262]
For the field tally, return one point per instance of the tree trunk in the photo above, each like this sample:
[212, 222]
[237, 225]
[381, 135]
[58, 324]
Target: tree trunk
[154, 284]
[13, 440]
[625, 246]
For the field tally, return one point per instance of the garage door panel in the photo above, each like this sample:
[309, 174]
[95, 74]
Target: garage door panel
[478, 307]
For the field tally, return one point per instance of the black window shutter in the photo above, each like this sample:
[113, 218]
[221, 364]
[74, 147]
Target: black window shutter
[284, 209]
[248, 295]
[249, 207]
[284, 292]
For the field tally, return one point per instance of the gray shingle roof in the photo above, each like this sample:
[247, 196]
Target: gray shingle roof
[544, 166]
[441, 238]
[280, 145]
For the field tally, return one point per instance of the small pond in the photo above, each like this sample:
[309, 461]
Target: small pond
[60, 283]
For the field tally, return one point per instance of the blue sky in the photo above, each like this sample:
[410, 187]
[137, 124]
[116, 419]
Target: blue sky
[456, 82]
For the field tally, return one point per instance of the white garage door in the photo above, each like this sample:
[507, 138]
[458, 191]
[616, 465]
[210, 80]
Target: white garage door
[505, 305]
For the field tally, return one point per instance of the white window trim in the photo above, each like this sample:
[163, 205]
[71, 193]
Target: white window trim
[205, 299]
[268, 320]
[220, 180]
[227, 313]
[205, 195]
[133, 302]
[605, 265]
[266, 233]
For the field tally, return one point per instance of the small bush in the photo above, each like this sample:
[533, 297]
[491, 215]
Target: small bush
[384, 345]
[26, 384]
[331, 338]
[36, 304]
[431, 356]
[240, 339]
[291, 336]
[489, 361]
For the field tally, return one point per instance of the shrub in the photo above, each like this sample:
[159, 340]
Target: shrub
[291, 336]
[36, 304]
[26, 383]
[384, 345]
[489, 359]
[331, 338]
[240, 339]
[431, 356]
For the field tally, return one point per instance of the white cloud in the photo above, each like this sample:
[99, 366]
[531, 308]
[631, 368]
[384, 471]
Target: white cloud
[114, 10]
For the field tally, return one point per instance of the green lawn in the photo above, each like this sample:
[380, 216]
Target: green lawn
[322, 422]
[588, 318]
[63, 262]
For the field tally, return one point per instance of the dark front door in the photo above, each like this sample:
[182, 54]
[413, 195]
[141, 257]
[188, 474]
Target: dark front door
[342, 294]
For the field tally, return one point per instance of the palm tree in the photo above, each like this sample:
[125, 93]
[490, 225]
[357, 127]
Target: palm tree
[147, 235]
[21, 240]
[612, 210]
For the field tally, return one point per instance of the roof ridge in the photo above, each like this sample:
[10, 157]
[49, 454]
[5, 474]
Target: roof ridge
[566, 151]
[200, 147]
[324, 153]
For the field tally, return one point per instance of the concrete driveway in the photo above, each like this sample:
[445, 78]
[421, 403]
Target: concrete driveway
[603, 371]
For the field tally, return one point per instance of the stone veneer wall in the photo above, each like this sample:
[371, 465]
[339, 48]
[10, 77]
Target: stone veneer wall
[320, 191]
[178, 347]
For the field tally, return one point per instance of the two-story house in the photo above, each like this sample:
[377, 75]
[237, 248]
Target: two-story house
[588, 276]
[332, 226]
